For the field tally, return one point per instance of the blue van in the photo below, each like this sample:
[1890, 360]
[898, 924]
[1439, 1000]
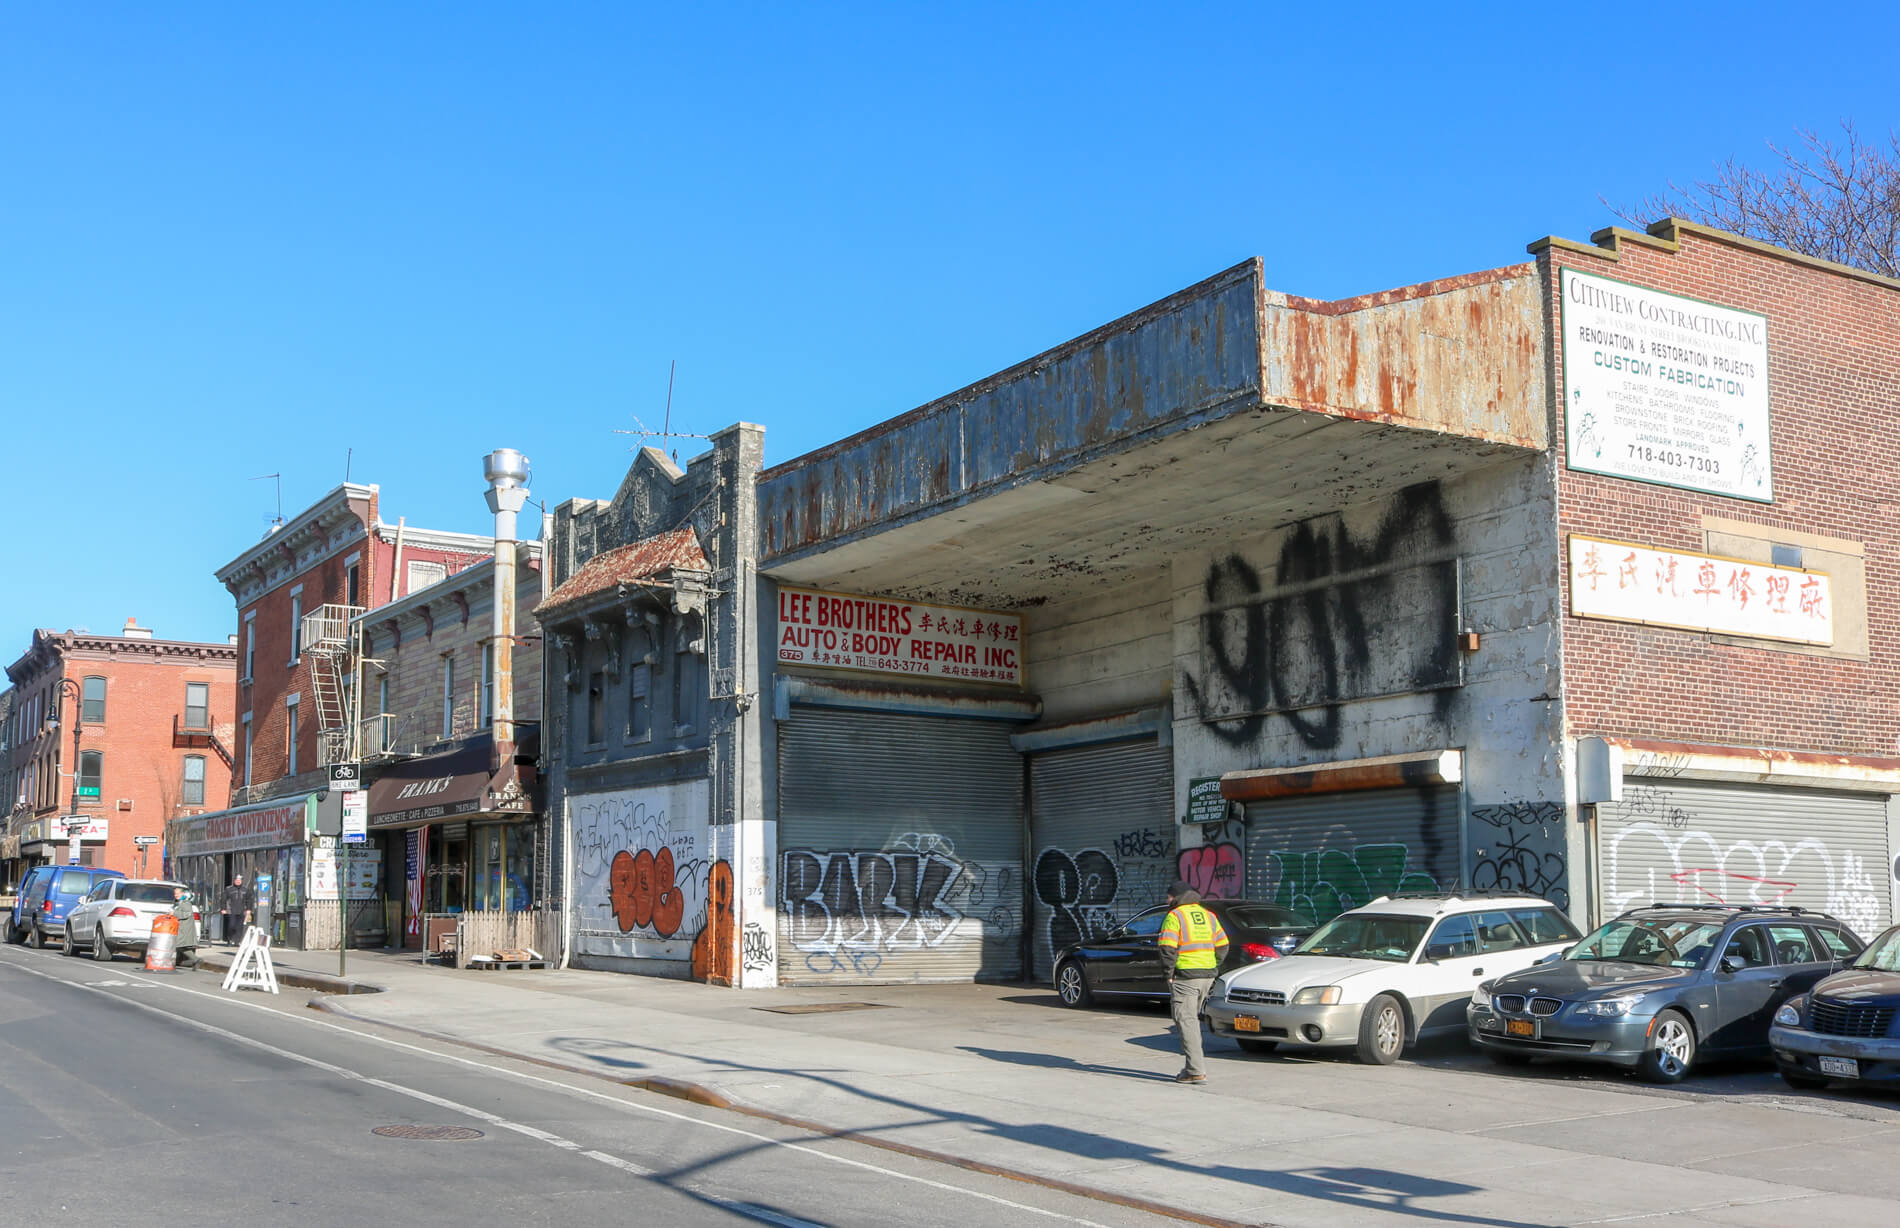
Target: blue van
[46, 896]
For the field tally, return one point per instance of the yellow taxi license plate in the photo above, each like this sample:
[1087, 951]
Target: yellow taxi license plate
[1519, 1027]
[1246, 1023]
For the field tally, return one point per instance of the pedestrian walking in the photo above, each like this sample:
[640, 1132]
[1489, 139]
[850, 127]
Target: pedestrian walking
[237, 910]
[186, 910]
[1192, 945]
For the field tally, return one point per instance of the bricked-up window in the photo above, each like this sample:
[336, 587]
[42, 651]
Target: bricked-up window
[597, 708]
[448, 694]
[197, 705]
[290, 737]
[92, 766]
[193, 792]
[423, 574]
[92, 703]
[687, 689]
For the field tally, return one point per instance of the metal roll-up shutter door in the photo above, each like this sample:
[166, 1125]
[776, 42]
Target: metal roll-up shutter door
[1702, 842]
[1102, 839]
[1329, 852]
[900, 848]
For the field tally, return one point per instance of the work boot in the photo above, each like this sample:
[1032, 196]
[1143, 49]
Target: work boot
[1187, 1076]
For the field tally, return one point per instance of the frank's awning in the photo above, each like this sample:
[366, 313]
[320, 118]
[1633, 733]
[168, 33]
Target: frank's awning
[432, 787]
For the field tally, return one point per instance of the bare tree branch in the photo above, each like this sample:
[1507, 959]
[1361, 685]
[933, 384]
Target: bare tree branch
[1838, 200]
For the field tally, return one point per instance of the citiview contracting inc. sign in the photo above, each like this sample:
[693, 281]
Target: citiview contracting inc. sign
[888, 636]
[1661, 388]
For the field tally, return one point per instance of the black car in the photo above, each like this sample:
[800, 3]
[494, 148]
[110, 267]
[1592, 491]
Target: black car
[1126, 961]
[1847, 1027]
[1659, 986]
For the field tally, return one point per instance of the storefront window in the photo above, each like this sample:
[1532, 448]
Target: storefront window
[448, 868]
[485, 891]
[520, 875]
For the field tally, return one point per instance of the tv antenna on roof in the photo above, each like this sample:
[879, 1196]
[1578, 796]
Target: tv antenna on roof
[666, 430]
[277, 521]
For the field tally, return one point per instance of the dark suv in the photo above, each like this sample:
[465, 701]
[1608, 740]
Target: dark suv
[1658, 986]
[47, 894]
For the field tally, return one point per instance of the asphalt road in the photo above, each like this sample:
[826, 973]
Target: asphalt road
[138, 1098]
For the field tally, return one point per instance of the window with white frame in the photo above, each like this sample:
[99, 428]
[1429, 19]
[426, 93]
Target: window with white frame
[290, 734]
[197, 705]
[247, 748]
[448, 694]
[192, 793]
[422, 574]
[250, 645]
[488, 685]
[296, 625]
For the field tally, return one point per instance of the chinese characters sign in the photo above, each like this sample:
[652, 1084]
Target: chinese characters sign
[1699, 592]
[898, 637]
[1665, 389]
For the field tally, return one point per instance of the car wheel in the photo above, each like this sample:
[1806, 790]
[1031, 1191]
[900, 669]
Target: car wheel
[14, 936]
[1802, 1082]
[34, 938]
[66, 944]
[1072, 986]
[101, 949]
[1249, 1045]
[1671, 1049]
[1381, 1031]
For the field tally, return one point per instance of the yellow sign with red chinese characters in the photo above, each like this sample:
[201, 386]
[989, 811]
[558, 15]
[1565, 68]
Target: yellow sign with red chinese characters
[1699, 592]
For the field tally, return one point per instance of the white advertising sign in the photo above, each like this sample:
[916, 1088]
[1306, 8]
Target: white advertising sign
[365, 874]
[1700, 592]
[81, 827]
[888, 636]
[355, 816]
[1660, 388]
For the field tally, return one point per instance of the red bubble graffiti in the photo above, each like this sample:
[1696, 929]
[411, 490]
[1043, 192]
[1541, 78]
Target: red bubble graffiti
[712, 949]
[641, 889]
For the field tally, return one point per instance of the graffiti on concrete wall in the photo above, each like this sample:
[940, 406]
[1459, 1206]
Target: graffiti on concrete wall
[1646, 862]
[1519, 846]
[846, 910]
[713, 947]
[1349, 617]
[1214, 870]
[642, 871]
[756, 947]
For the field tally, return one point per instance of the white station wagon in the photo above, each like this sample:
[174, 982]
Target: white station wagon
[1383, 975]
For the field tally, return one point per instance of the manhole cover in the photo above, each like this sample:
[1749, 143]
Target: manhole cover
[430, 1133]
[823, 1008]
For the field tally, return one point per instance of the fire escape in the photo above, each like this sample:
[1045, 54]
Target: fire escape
[329, 642]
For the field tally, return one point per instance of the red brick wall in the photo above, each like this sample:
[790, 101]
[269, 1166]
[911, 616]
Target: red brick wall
[141, 782]
[1834, 387]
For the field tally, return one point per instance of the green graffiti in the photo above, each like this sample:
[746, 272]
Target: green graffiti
[1323, 883]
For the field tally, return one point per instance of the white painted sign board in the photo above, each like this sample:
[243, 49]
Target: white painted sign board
[886, 635]
[1699, 592]
[1661, 388]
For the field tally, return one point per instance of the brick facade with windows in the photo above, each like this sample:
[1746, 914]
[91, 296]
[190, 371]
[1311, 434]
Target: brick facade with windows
[155, 736]
[1834, 382]
[331, 552]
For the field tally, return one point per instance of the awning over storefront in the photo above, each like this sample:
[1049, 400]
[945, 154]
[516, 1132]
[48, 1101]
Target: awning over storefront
[276, 823]
[432, 787]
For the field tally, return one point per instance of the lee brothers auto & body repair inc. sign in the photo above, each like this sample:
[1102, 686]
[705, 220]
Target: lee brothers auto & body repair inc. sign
[1665, 389]
[839, 631]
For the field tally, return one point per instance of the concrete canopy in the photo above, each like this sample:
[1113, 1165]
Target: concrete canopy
[1212, 416]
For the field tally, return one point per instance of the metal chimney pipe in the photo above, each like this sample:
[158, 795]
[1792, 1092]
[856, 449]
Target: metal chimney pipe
[507, 474]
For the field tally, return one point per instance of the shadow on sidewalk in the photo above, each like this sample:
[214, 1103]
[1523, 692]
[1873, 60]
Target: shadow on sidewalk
[1367, 1188]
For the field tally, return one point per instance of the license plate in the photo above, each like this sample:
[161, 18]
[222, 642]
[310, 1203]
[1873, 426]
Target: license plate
[1842, 1067]
[1520, 1027]
[1246, 1023]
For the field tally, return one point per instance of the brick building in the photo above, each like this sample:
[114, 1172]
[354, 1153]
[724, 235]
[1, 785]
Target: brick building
[1727, 524]
[149, 724]
[327, 563]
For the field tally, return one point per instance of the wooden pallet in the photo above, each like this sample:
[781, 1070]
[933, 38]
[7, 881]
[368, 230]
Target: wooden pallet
[503, 965]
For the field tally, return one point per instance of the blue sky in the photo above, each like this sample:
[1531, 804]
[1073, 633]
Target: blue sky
[244, 239]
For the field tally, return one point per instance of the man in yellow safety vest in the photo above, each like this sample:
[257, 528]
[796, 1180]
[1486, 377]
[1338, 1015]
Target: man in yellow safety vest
[1192, 946]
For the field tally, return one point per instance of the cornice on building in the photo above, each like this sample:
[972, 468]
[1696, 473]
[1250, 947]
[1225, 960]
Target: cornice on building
[326, 527]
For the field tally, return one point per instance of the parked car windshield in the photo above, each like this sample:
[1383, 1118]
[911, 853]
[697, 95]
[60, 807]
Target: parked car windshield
[147, 893]
[1366, 936]
[1267, 917]
[1670, 943]
[1882, 954]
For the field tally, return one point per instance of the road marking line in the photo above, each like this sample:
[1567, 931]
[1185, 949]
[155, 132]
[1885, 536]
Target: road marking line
[478, 1114]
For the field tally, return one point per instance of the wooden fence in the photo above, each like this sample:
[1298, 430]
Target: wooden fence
[484, 933]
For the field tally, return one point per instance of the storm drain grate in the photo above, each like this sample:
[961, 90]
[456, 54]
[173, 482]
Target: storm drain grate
[432, 1134]
[823, 1008]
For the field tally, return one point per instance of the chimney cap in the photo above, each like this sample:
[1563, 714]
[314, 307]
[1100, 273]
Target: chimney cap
[135, 632]
[505, 467]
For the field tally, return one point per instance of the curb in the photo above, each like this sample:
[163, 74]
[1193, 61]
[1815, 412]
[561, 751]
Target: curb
[296, 978]
[681, 1089]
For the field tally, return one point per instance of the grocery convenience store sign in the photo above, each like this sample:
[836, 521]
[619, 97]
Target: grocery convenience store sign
[887, 636]
[1660, 388]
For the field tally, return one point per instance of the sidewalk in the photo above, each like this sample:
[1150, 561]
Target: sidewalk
[1002, 1077]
